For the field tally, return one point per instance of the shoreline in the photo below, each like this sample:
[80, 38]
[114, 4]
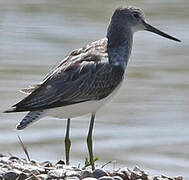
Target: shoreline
[15, 168]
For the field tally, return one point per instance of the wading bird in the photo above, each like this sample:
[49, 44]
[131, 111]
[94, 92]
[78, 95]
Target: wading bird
[87, 78]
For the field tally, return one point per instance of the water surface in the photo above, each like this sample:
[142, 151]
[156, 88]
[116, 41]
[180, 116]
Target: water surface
[146, 124]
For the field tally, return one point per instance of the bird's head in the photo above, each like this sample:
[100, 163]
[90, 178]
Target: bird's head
[133, 19]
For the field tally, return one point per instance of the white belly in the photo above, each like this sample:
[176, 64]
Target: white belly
[80, 109]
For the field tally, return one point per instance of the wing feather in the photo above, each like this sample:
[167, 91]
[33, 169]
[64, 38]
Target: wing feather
[84, 75]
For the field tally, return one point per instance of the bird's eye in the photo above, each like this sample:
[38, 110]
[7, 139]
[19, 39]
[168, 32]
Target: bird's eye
[136, 15]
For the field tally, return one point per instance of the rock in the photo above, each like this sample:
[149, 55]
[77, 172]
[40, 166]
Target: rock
[10, 175]
[33, 168]
[4, 160]
[46, 164]
[117, 178]
[106, 178]
[42, 176]
[60, 162]
[3, 170]
[72, 178]
[73, 174]
[22, 176]
[14, 158]
[13, 168]
[89, 178]
[35, 172]
[86, 174]
[126, 173]
[1, 177]
[119, 174]
[31, 178]
[97, 173]
[17, 171]
[178, 178]
[57, 173]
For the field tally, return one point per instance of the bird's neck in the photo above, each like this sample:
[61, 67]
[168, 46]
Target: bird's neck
[119, 47]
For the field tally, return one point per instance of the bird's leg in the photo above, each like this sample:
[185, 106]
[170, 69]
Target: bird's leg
[90, 141]
[67, 142]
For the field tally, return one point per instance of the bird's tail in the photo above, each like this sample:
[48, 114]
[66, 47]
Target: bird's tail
[30, 118]
[12, 109]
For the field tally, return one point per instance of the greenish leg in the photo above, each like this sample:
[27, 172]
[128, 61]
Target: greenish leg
[90, 142]
[67, 142]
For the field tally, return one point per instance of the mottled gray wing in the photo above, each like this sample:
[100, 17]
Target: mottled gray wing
[79, 82]
[99, 45]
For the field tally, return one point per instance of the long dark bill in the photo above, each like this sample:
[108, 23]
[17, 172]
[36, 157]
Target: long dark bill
[154, 30]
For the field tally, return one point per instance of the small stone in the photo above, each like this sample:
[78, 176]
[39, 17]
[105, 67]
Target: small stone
[75, 175]
[60, 162]
[86, 174]
[46, 164]
[31, 178]
[106, 178]
[145, 176]
[10, 175]
[35, 172]
[59, 166]
[97, 173]
[34, 162]
[33, 168]
[158, 178]
[117, 178]
[4, 160]
[126, 173]
[120, 174]
[42, 176]
[31, 171]
[89, 178]
[178, 178]
[3, 170]
[22, 176]
[14, 158]
[57, 173]
[72, 178]
[17, 171]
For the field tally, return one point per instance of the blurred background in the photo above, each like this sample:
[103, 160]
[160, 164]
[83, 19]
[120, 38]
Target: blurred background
[146, 124]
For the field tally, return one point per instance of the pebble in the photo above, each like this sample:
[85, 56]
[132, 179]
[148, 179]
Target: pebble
[89, 178]
[4, 160]
[13, 168]
[47, 164]
[22, 176]
[10, 175]
[117, 178]
[86, 174]
[75, 174]
[72, 178]
[58, 173]
[42, 176]
[97, 173]
[106, 178]
[14, 158]
[31, 178]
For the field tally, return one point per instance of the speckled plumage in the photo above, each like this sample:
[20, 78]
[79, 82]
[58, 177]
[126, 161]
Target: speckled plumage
[85, 75]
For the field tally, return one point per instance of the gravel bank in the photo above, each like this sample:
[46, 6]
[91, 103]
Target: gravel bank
[14, 168]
